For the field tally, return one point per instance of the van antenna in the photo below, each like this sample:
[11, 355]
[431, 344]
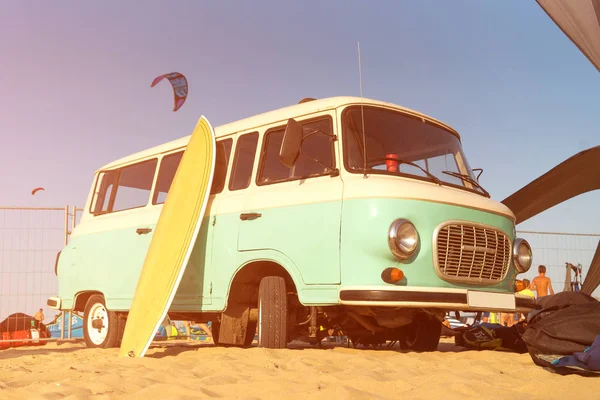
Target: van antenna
[362, 115]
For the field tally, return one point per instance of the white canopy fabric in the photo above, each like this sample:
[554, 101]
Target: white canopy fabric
[574, 176]
[580, 21]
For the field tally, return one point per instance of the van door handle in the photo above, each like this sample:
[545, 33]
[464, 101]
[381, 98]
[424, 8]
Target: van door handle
[143, 231]
[249, 216]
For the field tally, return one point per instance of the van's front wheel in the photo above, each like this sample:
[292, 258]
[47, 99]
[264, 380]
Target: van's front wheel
[101, 327]
[422, 334]
[272, 313]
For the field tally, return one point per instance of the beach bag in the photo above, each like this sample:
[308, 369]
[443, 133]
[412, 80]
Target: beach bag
[586, 362]
[567, 323]
[487, 336]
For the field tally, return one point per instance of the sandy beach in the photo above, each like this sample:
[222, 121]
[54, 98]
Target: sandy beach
[182, 371]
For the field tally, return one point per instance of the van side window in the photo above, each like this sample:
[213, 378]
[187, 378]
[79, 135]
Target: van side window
[245, 152]
[134, 185]
[166, 173]
[221, 165]
[317, 146]
[103, 193]
[170, 163]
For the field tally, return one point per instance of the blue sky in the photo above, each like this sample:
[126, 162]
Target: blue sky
[75, 82]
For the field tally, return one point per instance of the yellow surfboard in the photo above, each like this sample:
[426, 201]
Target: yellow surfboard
[174, 237]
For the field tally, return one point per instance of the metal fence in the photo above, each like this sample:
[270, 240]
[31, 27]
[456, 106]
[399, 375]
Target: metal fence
[555, 249]
[30, 239]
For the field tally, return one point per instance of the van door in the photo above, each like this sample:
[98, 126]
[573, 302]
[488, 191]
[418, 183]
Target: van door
[190, 294]
[296, 211]
[114, 244]
[195, 288]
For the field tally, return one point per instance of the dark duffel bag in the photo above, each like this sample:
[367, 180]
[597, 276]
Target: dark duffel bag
[567, 323]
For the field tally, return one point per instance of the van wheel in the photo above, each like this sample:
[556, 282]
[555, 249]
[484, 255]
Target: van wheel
[423, 334]
[101, 327]
[272, 313]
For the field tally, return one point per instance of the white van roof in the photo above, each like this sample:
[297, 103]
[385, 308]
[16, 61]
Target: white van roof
[278, 115]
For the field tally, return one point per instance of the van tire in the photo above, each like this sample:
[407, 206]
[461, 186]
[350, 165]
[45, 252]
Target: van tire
[100, 337]
[272, 313]
[422, 334]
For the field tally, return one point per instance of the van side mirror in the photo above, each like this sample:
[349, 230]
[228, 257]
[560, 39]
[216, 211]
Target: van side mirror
[291, 144]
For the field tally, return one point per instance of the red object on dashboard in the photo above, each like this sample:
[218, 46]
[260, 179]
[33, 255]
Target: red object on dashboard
[391, 165]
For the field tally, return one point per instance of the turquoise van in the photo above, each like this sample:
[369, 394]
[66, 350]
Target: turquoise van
[340, 213]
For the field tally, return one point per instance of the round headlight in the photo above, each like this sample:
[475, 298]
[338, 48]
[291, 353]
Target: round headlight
[403, 239]
[522, 255]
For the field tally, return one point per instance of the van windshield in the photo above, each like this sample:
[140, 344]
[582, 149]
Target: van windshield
[404, 145]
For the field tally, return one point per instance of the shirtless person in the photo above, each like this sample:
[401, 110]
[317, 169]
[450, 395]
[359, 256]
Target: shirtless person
[39, 318]
[541, 283]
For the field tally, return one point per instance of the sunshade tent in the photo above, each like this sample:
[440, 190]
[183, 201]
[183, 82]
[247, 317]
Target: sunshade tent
[577, 175]
[580, 21]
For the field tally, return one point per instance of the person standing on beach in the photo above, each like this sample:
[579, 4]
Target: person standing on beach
[39, 318]
[188, 330]
[527, 292]
[541, 283]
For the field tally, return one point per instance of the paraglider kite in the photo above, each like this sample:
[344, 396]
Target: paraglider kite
[34, 191]
[180, 87]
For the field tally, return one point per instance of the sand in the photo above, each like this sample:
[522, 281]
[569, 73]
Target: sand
[196, 371]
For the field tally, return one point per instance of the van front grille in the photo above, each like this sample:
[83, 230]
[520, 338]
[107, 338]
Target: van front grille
[471, 253]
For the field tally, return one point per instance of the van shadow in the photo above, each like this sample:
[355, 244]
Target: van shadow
[446, 346]
[175, 349]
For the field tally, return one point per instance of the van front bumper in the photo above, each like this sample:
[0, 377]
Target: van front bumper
[440, 298]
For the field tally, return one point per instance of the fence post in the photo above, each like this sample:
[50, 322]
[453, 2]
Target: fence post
[62, 325]
[74, 221]
[74, 216]
[66, 225]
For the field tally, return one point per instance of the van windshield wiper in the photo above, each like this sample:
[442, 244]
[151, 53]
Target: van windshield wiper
[468, 179]
[399, 161]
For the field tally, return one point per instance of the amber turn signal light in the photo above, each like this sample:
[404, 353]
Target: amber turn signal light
[519, 285]
[392, 275]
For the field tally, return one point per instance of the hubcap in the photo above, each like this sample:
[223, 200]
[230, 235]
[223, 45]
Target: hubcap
[97, 324]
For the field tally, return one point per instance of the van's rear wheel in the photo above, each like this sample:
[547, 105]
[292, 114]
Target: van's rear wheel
[101, 327]
[272, 313]
[422, 334]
